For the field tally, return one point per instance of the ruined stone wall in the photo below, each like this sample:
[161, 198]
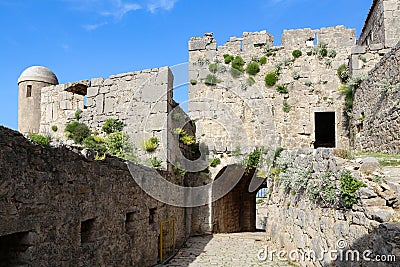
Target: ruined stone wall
[376, 110]
[141, 100]
[234, 113]
[295, 222]
[382, 24]
[58, 208]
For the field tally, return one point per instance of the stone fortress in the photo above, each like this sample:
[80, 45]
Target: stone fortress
[68, 209]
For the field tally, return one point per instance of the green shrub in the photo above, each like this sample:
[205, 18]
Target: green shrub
[213, 68]
[187, 139]
[253, 68]
[54, 128]
[269, 53]
[250, 81]
[215, 162]
[324, 191]
[193, 82]
[297, 54]
[151, 145]
[96, 143]
[323, 52]
[238, 63]
[117, 144]
[271, 78]
[39, 139]
[77, 131]
[296, 75]
[112, 126]
[263, 60]
[155, 163]
[282, 88]
[78, 114]
[348, 188]
[343, 73]
[211, 80]
[286, 106]
[228, 58]
[332, 53]
[253, 160]
[349, 99]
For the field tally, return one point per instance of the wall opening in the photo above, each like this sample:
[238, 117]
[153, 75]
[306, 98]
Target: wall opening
[28, 90]
[14, 249]
[152, 215]
[87, 231]
[325, 129]
[130, 223]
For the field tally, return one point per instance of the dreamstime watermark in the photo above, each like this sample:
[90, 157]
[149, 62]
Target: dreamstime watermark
[340, 254]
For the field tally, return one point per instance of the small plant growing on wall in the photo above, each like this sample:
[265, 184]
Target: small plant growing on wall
[96, 143]
[286, 107]
[250, 81]
[227, 58]
[238, 63]
[263, 60]
[213, 68]
[39, 139]
[77, 131]
[271, 78]
[184, 137]
[212, 80]
[253, 68]
[151, 145]
[348, 188]
[323, 52]
[308, 83]
[297, 54]
[296, 75]
[343, 73]
[235, 73]
[193, 82]
[155, 162]
[332, 53]
[282, 88]
[78, 114]
[215, 162]
[253, 160]
[112, 126]
[54, 128]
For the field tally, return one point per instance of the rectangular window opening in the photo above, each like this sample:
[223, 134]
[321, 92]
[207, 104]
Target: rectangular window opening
[28, 90]
[152, 215]
[325, 130]
[88, 231]
[130, 222]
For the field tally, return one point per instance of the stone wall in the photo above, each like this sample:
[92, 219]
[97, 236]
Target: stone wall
[58, 208]
[382, 24]
[141, 100]
[296, 222]
[234, 113]
[376, 111]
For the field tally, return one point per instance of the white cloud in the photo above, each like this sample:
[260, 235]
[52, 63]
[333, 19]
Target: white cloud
[92, 27]
[155, 5]
[119, 9]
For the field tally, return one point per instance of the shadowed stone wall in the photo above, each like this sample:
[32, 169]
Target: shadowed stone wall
[58, 208]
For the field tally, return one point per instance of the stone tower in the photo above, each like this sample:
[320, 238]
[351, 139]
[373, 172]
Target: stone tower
[30, 83]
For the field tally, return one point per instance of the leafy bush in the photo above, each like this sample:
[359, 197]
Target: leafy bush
[117, 144]
[295, 178]
[228, 58]
[96, 143]
[282, 88]
[297, 54]
[112, 126]
[184, 137]
[324, 191]
[250, 81]
[323, 52]
[211, 80]
[54, 128]
[215, 162]
[349, 99]
[253, 160]
[348, 188]
[253, 68]
[343, 73]
[286, 107]
[238, 63]
[77, 131]
[213, 68]
[151, 145]
[271, 78]
[39, 139]
[78, 114]
[263, 60]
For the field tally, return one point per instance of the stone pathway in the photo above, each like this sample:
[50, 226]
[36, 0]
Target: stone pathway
[228, 250]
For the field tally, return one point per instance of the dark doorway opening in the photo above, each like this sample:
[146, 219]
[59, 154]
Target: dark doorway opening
[14, 249]
[325, 129]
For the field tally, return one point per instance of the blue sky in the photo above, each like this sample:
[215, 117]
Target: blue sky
[83, 39]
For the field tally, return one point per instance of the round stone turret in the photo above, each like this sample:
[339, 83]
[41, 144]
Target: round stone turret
[30, 83]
